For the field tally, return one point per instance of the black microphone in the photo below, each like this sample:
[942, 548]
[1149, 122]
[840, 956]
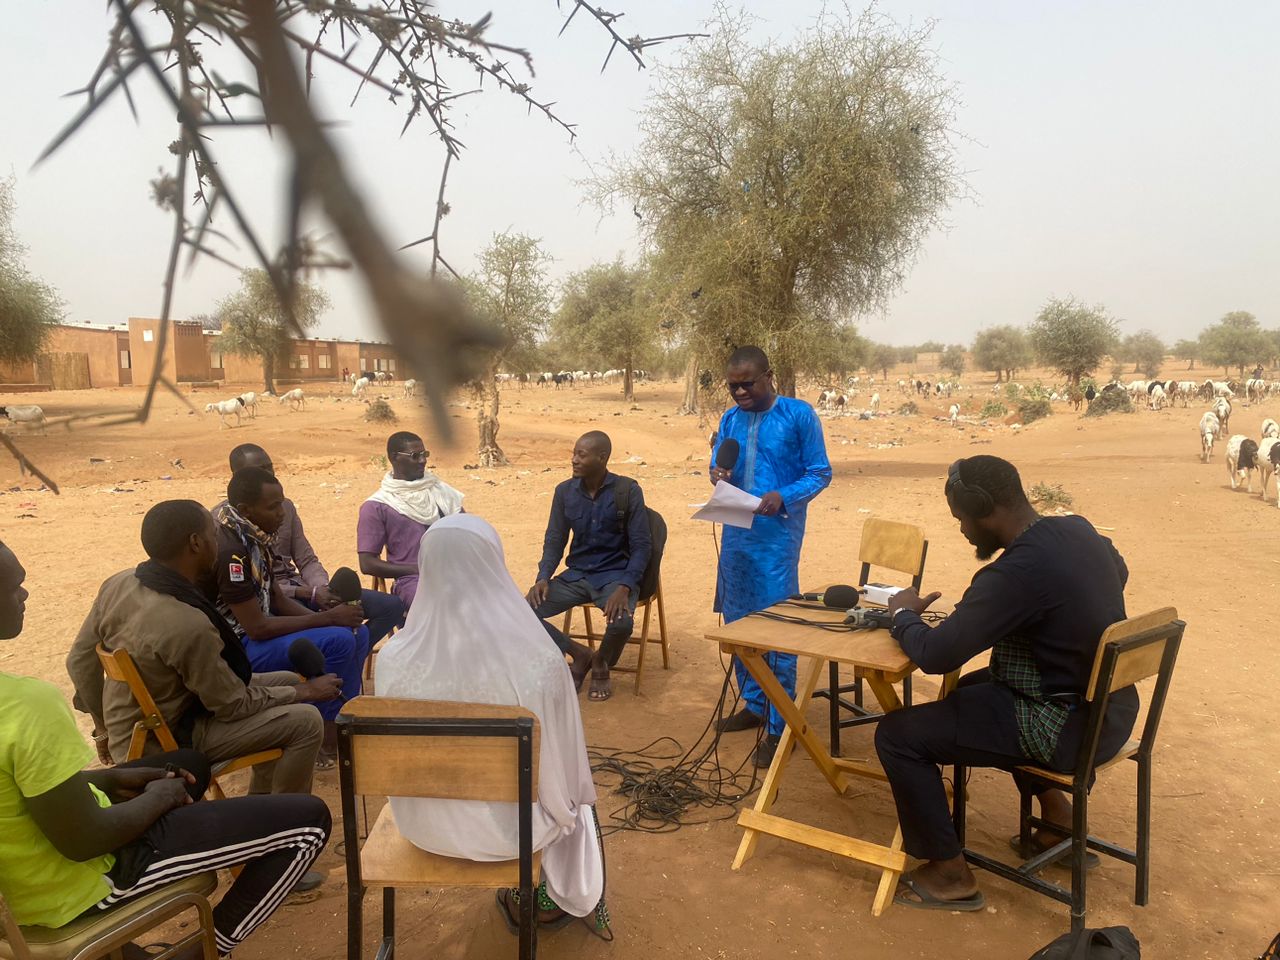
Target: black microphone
[345, 585]
[305, 658]
[727, 455]
[841, 596]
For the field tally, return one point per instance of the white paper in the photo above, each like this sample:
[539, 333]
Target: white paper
[728, 504]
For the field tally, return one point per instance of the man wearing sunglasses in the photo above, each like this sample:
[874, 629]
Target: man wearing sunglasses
[410, 499]
[782, 459]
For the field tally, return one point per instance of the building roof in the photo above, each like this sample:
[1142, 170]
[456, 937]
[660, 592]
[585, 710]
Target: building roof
[90, 325]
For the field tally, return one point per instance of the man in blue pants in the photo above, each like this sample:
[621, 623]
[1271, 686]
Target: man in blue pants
[783, 460]
[256, 606]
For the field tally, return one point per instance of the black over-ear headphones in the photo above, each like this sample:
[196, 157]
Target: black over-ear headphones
[974, 501]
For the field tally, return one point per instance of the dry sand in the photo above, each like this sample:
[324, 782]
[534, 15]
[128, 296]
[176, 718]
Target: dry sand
[1188, 539]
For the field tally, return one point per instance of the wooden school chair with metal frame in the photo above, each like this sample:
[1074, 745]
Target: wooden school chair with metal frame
[650, 593]
[451, 751]
[1129, 651]
[119, 666]
[379, 584]
[105, 933]
[891, 545]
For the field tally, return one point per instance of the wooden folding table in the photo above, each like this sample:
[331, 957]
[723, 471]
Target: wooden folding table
[880, 661]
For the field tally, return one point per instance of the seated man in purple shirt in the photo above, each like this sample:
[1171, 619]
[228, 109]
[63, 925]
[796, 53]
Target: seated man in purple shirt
[299, 571]
[394, 519]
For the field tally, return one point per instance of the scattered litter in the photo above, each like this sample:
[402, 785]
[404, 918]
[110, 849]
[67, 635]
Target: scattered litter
[863, 510]
[26, 516]
[635, 459]
[177, 463]
[121, 490]
[166, 477]
[97, 460]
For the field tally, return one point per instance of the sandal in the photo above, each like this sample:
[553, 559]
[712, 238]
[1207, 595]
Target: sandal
[326, 761]
[924, 900]
[601, 688]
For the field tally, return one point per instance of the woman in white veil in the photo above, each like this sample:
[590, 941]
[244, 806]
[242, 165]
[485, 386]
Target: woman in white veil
[471, 637]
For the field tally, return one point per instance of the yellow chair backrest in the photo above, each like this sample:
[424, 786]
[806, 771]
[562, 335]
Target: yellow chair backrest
[1136, 664]
[119, 666]
[893, 545]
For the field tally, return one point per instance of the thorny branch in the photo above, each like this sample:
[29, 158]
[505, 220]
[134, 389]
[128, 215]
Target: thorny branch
[410, 51]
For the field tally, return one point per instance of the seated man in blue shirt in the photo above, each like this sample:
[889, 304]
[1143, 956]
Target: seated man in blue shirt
[610, 550]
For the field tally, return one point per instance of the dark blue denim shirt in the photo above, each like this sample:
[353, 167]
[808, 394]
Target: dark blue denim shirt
[602, 552]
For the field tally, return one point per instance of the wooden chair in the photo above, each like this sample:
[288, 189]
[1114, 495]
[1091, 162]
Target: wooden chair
[650, 594]
[104, 934]
[119, 666]
[1129, 651]
[379, 584]
[429, 748]
[891, 545]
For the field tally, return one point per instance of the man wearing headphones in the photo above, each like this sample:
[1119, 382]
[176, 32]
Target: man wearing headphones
[1040, 609]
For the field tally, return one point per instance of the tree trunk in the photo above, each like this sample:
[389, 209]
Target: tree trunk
[1192, 364]
[486, 395]
[689, 406]
[786, 380]
[269, 374]
[628, 388]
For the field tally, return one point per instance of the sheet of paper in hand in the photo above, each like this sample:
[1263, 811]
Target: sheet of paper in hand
[728, 504]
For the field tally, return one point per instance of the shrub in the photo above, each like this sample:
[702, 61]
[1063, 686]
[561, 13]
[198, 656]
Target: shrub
[380, 412]
[993, 410]
[1049, 496]
[1030, 410]
[908, 409]
[1110, 401]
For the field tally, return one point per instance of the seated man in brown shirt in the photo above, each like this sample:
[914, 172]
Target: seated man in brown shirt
[192, 662]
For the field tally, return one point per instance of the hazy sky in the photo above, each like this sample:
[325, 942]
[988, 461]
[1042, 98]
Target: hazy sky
[1126, 153]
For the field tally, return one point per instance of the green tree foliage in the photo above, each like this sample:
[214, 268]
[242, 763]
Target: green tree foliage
[1004, 350]
[1071, 337]
[882, 357]
[1188, 350]
[790, 184]
[255, 324]
[953, 360]
[510, 289]
[930, 346]
[846, 352]
[1235, 341]
[606, 319]
[29, 307]
[1144, 350]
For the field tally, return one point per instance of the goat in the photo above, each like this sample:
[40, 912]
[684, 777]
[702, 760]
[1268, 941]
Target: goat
[410, 388]
[250, 402]
[1156, 397]
[360, 386]
[225, 408]
[1210, 428]
[30, 415]
[875, 402]
[1268, 456]
[1270, 428]
[955, 413]
[1222, 407]
[294, 397]
[1242, 460]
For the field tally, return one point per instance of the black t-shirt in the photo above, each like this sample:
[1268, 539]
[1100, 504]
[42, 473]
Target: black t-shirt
[236, 578]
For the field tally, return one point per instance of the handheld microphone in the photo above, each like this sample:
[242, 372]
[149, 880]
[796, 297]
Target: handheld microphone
[305, 658]
[345, 585]
[727, 455]
[841, 595]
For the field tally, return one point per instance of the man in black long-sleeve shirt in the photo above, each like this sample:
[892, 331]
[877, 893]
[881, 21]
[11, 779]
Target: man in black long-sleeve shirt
[1040, 608]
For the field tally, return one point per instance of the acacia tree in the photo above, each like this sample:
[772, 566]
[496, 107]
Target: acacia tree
[791, 184]
[604, 313]
[1071, 337]
[953, 360]
[29, 307]
[1188, 350]
[255, 322]
[1144, 350]
[1234, 341]
[511, 291]
[1003, 349]
[882, 357]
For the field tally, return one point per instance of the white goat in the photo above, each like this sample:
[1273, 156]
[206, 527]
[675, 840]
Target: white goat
[410, 388]
[1270, 428]
[294, 397]
[250, 401]
[1268, 456]
[1222, 407]
[29, 415]
[955, 413]
[224, 409]
[1210, 428]
[1242, 460]
[875, 402]
[360, 386]
[1157, 397]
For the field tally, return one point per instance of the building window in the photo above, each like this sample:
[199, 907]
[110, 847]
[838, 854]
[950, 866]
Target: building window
[391, 365]
[148, 336]
[323, 362]
[124, 360]
[304, 362]
[293, 363]
[215, 361]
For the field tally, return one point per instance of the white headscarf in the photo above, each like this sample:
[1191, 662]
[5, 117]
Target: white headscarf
[472, 637]
[425, 500]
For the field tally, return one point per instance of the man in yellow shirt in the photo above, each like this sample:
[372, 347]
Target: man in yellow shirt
[75, 840]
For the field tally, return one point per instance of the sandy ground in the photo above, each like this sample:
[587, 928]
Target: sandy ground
[1188, 539]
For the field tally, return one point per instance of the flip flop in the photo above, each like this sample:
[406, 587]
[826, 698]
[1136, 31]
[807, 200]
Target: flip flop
[326, 761]
[597, 693]
[927, 901]
[1091, 859]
